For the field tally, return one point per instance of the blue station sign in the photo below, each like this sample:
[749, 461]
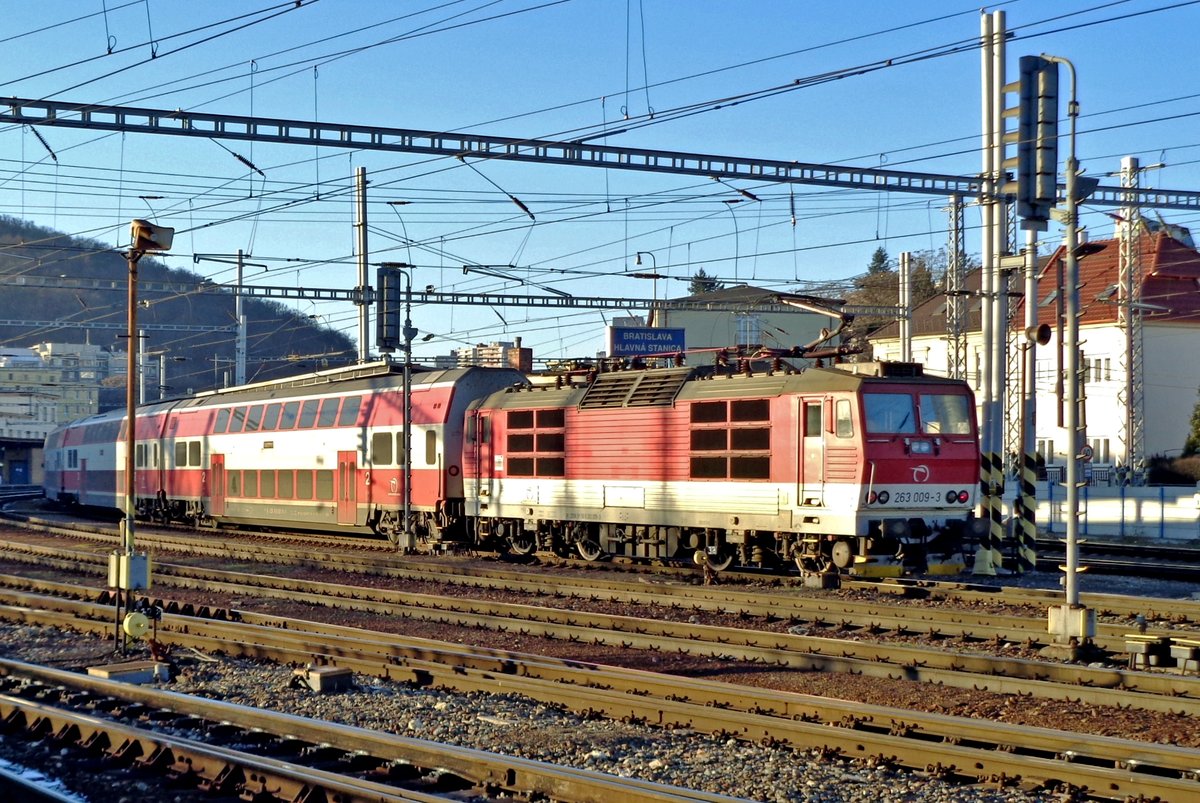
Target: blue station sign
[643, 341]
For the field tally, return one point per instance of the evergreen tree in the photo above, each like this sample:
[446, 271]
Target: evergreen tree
[880, 287]
[1191, 446]
[703, 283]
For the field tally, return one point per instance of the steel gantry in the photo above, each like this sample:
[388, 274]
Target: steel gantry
[177, 122]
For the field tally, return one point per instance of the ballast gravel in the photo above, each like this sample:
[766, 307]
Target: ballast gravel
[506, 724]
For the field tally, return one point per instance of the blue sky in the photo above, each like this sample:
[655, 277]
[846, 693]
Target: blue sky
[540, 68]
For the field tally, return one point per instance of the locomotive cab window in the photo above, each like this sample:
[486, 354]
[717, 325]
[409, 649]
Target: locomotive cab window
[890, 413]
[843, 424]
[812, 419]
[945, 414]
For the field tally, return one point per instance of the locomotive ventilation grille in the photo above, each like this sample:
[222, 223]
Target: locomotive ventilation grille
[634, 389]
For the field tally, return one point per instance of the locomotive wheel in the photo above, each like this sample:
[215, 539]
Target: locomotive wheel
[588, 549]
[523, 543]
[719, 562]
[842, 554]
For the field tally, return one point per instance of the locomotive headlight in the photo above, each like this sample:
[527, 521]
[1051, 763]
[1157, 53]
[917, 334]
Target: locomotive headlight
[884, 497]
[922, 447]
[951, 497]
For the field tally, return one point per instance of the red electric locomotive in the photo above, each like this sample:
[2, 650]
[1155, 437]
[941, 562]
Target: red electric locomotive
[825, 467]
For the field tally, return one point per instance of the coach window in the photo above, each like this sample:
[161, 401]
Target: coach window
[844, 426]
[253, 418]
[890, 413]
[349, 414]
[266, 483]
[287, 420]
[250, 480]
[329, 412]
[140, 455]
[324, 483]
[308, 413]
[304, 485]
[222, 421]
[233, 483]
[287, 484]
[271, 418]
[155, 455]
[400, 450]
[431, 448]
[194, 453]
[236, 419]
[381, 449]
[180, 454]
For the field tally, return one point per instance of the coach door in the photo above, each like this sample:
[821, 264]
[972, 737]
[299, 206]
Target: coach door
[216, 503]
[482, 453]
[812, 452]
[347, 493]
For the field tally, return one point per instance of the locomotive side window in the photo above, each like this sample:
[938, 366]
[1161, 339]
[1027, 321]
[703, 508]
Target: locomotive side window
[287, 420]
[890, 413]
[222, 421]
[552, 418]
[329, 411]
[271, 419]
[812, 419]
[518, 442]
[349, 414]
[844, 426]
[308, 414]
[751, 410]
[708, 412]
[720, 427]
[381, 449]
[946, 414]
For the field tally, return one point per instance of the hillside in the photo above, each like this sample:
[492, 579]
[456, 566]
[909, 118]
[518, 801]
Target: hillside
[279, 342]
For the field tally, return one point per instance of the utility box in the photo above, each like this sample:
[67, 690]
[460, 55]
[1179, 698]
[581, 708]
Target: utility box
[1068, 621]
[129, 572]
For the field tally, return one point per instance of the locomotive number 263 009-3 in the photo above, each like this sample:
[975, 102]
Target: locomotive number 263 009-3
[913, 497]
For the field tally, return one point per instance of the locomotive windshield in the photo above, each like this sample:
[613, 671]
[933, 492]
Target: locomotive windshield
[945, 413]
[890, 412]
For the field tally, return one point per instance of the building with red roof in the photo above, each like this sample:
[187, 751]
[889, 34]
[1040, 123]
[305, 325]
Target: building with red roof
[1166, 376]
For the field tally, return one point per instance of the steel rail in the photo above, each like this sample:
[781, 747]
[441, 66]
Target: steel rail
[1174, 610]
[290, 781]
[827, 613]
[853, 618]
[916, 740]
[1165, 693]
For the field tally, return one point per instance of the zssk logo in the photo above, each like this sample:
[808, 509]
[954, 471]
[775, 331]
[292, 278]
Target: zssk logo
[920, 473]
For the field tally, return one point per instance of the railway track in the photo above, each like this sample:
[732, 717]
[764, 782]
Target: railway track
[225, 749]
[969, 750]
[683, 583]
[876, 658]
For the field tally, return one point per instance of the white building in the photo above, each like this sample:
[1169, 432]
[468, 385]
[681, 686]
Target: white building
[1168, 372]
